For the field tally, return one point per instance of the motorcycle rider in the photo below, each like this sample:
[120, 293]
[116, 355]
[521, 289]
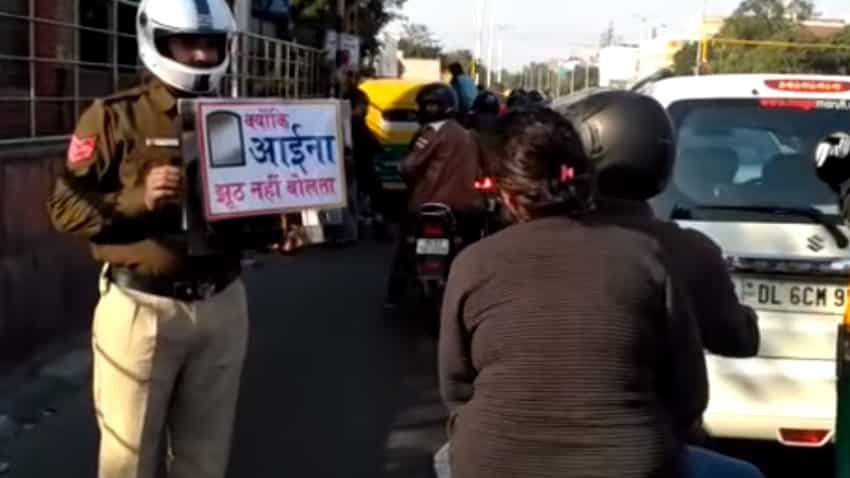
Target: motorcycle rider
[464, 87]
[486, 103]
[634, 165]
[536, 97]
[365, 149]
[518, 99]
[443, 163]
[484, 118]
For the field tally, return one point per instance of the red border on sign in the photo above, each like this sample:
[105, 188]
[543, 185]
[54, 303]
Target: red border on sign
[202, 152]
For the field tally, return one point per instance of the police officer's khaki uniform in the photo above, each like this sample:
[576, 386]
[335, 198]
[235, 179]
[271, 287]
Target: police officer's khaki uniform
[170, 332]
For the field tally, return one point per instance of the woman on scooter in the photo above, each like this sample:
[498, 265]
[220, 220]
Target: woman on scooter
[564, 349]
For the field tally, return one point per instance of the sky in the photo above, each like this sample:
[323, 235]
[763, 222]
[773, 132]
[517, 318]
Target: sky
[536, 30]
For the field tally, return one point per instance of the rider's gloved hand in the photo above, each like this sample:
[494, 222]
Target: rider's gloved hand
[832, 160]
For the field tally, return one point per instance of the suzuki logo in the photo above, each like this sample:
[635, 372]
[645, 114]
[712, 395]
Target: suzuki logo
[816, 243]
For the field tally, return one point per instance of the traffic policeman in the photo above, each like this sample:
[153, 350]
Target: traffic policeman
[170, 330]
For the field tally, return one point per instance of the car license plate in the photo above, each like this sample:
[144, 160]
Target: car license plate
[432, 247]
[789, 296]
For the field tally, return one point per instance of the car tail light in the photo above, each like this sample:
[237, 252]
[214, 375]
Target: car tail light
[485, 184]
[433, 230]
[808, 86]
[804, 438]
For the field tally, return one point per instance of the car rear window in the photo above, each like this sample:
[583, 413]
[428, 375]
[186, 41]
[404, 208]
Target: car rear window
[751, 152]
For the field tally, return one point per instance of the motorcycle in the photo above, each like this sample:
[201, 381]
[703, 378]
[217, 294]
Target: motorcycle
[493, 217]
[437, 242]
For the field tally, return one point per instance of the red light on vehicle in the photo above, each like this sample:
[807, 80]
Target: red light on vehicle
[433, 267]
[485, 184]
[809, 86]
[807, 438]
[433, 230]
[782, 103]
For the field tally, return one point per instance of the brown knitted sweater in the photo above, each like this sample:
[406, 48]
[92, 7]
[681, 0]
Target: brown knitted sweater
[565, 351]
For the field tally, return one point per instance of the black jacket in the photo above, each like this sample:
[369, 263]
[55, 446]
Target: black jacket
[728, 328]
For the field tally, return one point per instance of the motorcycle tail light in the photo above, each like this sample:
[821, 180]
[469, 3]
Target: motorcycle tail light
[485, 184]
[433, 230]
[432, 267]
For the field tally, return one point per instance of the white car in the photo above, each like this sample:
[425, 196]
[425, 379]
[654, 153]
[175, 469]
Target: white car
[745, 177]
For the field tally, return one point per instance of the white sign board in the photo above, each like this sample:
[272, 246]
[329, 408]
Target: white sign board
[269, 156]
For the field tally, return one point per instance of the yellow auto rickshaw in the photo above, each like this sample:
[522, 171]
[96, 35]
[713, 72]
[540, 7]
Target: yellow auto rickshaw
[392, 119]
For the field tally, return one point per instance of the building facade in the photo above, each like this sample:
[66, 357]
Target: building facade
[618, 65]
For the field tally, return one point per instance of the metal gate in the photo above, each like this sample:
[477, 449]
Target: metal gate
[58, 56]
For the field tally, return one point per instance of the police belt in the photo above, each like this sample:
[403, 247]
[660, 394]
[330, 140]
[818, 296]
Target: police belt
[186, 290]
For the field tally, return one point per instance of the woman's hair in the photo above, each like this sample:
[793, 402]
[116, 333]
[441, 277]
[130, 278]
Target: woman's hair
[543, 165]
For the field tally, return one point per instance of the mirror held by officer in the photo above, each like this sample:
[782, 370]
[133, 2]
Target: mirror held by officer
[444, 161]
[543, 373]
[170, 330]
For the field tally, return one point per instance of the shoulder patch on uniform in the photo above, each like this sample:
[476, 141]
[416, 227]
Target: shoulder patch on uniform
[81, 149]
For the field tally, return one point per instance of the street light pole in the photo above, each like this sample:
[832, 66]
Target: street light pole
[573, 80]
[500, 29]
[700, 38]
[490, 45]
[479, 27]
[558, 82]
[501, 59]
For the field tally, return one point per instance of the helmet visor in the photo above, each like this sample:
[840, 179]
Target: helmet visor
[207, 50]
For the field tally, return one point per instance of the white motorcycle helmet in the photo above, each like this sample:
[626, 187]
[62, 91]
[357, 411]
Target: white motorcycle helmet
[158, 19]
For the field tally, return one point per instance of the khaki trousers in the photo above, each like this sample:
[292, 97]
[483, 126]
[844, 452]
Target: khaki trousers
[167, 369]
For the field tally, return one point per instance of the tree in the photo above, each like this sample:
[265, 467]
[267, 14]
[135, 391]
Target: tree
[767, 20]
[311, 18]
[371, 18]
[685, 59]
[417, 41]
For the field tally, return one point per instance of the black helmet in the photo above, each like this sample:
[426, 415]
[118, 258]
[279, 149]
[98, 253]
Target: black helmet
[486, 103]
[536, 97]
[436, 102]
[518, 99]
[630, 138]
